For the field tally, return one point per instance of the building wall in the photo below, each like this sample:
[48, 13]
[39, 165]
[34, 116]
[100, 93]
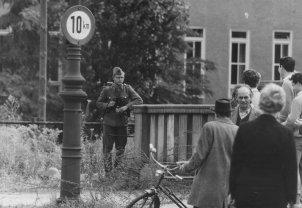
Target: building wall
[218, 17]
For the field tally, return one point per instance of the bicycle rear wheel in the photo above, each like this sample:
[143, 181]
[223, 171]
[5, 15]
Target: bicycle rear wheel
[145, 200]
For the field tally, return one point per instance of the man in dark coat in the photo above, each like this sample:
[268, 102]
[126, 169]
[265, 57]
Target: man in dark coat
[263, 166]
[116, 101]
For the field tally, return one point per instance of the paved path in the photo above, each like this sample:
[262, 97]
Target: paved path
[26, 199]
[39, 199]
[173, 205]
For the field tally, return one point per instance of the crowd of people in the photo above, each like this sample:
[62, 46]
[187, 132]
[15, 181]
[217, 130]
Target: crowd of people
[249, 157]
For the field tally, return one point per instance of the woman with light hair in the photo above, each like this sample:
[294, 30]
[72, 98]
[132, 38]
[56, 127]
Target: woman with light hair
[263, 166]
[272, 99]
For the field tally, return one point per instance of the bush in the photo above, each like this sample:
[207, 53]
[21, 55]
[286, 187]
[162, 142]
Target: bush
[129, 179]
[9, 111]
[122, 176]
[91, 157]
[28, 151]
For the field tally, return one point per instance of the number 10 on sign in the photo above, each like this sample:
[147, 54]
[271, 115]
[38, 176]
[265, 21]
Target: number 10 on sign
[78, 24]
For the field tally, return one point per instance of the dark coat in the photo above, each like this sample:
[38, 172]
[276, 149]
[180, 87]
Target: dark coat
[263, 166]
[112, 118]
[212, 157]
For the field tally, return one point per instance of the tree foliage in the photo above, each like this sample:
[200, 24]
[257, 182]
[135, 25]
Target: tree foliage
[145, 38]
[19, 52]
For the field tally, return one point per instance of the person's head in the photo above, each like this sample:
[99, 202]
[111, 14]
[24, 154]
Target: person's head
[234, 95]
[296, 82]
[244, 97]
[286, 65]
[251, 78]
[223, 107]
[118, 75]
[272, 99]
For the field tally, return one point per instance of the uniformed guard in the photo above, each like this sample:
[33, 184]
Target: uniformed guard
[116, 101]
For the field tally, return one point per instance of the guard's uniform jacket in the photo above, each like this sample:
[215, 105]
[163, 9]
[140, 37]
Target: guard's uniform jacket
[124, 91]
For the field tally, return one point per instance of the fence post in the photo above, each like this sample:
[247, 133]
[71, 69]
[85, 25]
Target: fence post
[142, 129]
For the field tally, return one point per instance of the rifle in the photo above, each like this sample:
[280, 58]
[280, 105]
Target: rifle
[120, 102]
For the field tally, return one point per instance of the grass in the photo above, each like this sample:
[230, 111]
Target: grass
[27, 152]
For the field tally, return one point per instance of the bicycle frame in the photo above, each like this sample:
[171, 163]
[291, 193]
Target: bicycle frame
[172, 196]
[164, 189]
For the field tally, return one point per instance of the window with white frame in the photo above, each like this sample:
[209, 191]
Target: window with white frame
[193, 64]
[239, 56]
[282, 46]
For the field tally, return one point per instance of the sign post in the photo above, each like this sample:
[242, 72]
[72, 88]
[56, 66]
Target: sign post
[78, 26]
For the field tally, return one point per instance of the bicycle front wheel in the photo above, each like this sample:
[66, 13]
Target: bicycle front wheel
[145, 200]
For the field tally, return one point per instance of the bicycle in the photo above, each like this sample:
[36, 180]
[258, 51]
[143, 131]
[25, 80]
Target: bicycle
[150, 197]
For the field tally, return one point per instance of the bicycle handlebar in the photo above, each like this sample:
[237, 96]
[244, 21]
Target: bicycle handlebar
[179, 177]
[165, 167]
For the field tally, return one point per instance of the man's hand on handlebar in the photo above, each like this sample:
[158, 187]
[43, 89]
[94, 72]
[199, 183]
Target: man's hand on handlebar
[181, 165]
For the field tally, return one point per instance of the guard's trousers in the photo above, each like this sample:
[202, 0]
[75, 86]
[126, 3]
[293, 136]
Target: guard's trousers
[113, 136]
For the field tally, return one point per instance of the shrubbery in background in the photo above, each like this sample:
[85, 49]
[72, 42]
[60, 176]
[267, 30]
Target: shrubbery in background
[28, 151]
[9, 111]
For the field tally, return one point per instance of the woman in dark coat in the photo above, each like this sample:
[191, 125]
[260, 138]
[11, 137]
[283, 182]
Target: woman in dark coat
[263, 166]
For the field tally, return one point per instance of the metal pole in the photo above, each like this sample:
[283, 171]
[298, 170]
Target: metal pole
[43, 60]
[72, 95]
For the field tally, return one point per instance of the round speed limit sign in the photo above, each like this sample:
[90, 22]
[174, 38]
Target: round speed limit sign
[78, 25]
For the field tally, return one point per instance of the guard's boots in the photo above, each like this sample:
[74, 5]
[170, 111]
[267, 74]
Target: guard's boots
[107, 163]
[118, 158]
